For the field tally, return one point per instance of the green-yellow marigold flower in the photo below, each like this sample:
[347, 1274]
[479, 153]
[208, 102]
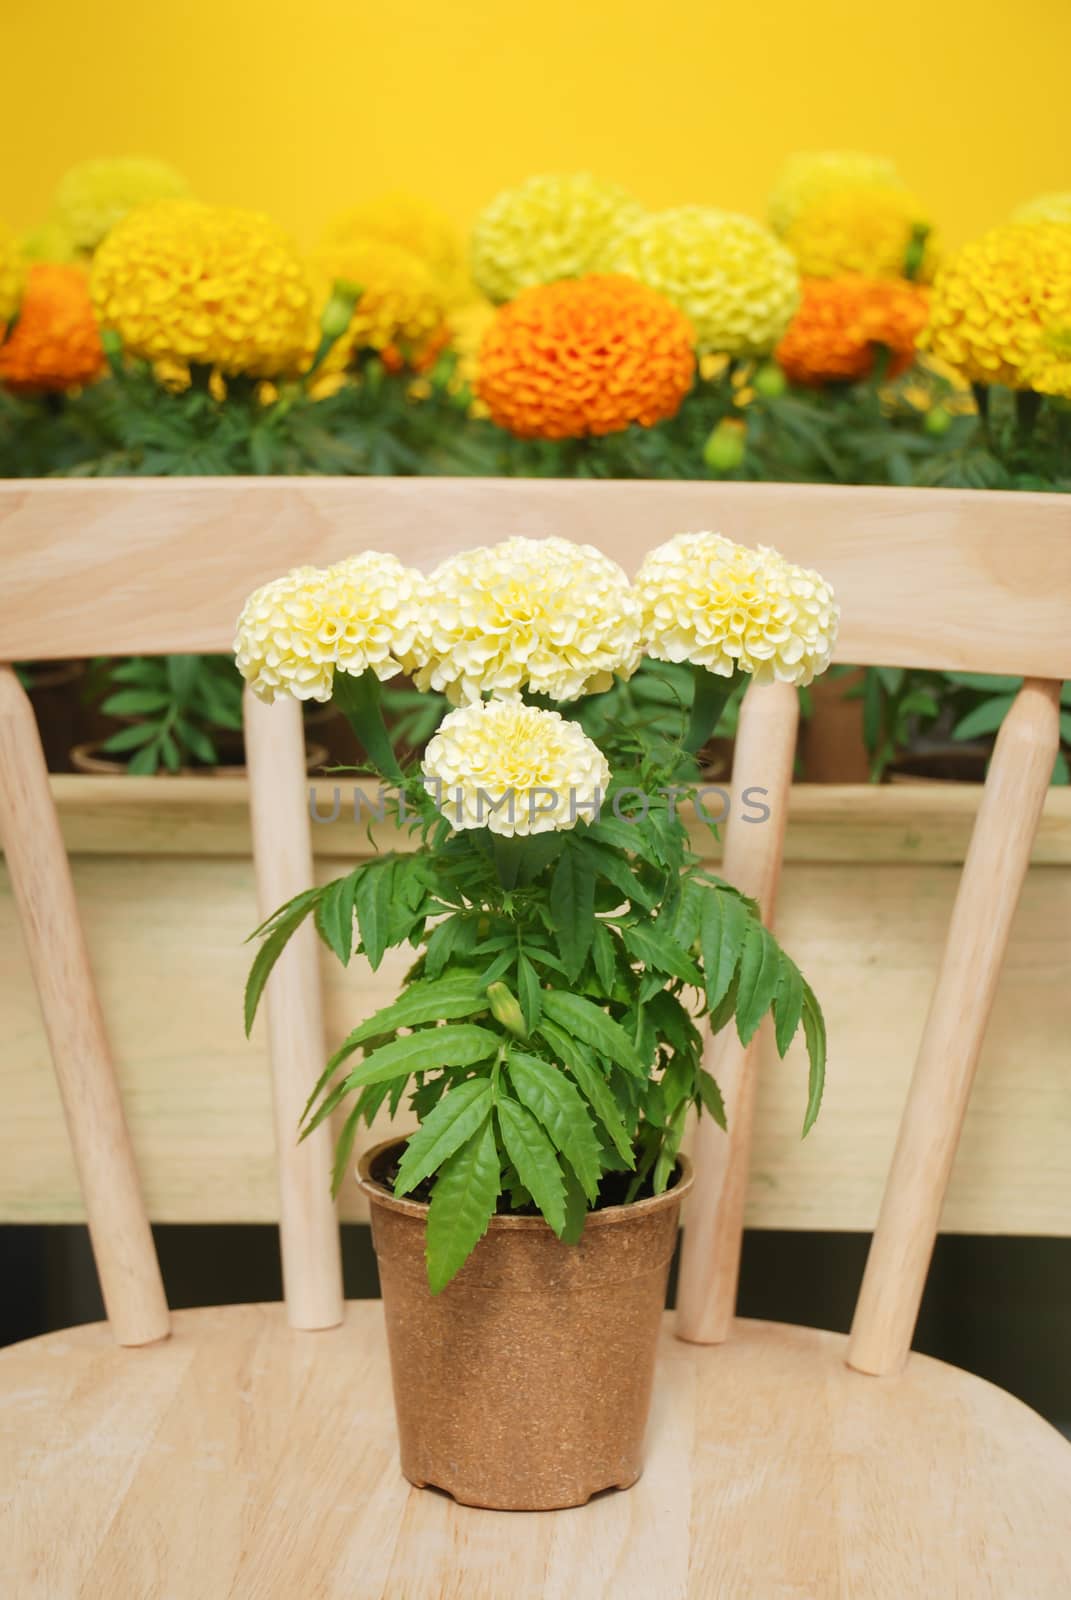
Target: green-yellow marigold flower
[12, 274]
[728, 608]
[414, 225]
[93, 196]
[515, 769]
[1045, 208]
[187, 282]
[875, 230]
[362, 614]
[49, 241]
[401, 304]
[550, 227]
[736, 283]
[556, 618]
[811, 175]
[1001, 308]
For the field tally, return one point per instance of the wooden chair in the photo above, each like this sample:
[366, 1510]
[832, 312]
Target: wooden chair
[249, 1450]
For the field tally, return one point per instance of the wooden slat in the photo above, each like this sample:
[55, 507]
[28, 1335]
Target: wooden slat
[917, 822]
[40, 876]
[867, 925]
[952, 1040]
[710, 1263]
[926, 577]
[282, 858]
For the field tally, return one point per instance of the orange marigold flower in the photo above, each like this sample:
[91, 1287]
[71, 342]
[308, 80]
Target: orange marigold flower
[55, 344]
[839, 322]
[585, 356]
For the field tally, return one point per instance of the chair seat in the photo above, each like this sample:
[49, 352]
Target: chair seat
[240, 1458]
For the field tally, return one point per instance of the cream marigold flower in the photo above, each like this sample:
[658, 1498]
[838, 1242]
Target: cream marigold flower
[727, 608]
[515, 769]
[190, 282]
[734, 281]
[360, 615]
[556, 618]
[12, 273]
[1045, 208]
[1001, 308]
[93, 196]
[875, 229]
[401, 306]
[811, 175]
[550, 227]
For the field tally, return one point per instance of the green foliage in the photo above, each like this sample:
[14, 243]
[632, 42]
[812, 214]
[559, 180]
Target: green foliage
[547, 1033]
[174, 708]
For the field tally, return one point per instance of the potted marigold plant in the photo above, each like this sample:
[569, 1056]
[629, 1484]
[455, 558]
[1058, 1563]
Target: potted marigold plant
[569, 948]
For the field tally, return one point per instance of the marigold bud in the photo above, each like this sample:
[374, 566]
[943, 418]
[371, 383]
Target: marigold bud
[505, 1008]
[724, 450]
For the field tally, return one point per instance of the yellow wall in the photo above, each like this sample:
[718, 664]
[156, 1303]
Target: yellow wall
[300, 106]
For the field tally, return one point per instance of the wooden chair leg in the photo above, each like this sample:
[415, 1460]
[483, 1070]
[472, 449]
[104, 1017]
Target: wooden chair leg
[993, 874]
[710, 1260]
[282, 852]
[44, 894]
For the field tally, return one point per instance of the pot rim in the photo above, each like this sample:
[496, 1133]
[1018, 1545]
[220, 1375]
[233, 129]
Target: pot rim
[382, 1196]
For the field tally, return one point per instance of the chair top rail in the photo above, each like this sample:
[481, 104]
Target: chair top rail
[940, 578]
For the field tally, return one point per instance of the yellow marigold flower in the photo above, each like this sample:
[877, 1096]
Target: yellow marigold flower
[585, 356]
[93, 196]
[55, 344]
[360, 615]
[1002, 306]
[401, 219]
[840, 321]
[12, 273]
[811, 175]
[724, 607]
[548, 228]
[734, 281]
[401, 305]
[197, 283]
[514, 769]
[546, 615]
[1045, 208]
[872, 229]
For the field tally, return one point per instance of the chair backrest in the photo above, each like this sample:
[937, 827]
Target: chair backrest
[941, 579]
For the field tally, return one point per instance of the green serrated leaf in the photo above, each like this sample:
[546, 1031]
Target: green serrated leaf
[432, 1049]
[462, 1204]
[592, 1026]
[576, 1206]
[604, 955]
[723, 927]
[572, 906]
[556, 1101]
[334, 915]
[656, 950]
[814, 1031]
[710, 1095]
[760, 970]
[283, 925]
[529, 992]
[617, 870]
[534, 1157]
[593, 1086]
[372, 903]
[788, 1003]
[344, 1148]
[454, 1120]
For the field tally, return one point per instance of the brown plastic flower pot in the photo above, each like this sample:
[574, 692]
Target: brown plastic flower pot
[525, 1385]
